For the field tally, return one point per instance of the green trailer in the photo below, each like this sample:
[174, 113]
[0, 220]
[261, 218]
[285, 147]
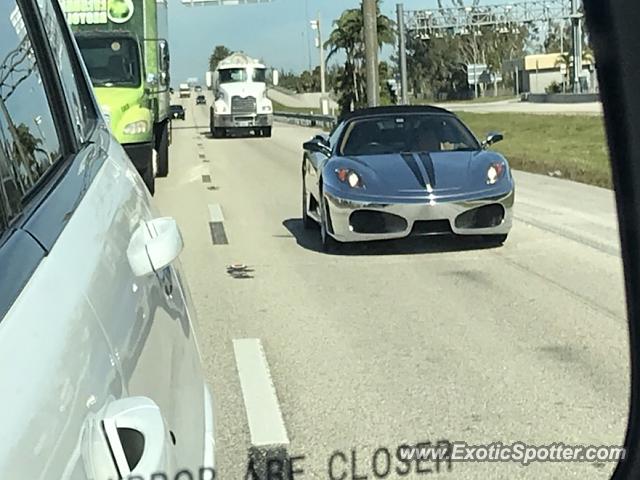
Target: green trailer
[125, 48]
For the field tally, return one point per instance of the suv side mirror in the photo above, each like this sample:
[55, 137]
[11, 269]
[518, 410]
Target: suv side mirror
[492, 137]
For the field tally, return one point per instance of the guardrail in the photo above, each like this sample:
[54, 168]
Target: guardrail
[306, 119]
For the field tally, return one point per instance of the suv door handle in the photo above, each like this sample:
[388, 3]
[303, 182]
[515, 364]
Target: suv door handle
[137, 437]
[154, 246]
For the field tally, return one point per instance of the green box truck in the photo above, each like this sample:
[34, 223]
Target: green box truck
[125, 48]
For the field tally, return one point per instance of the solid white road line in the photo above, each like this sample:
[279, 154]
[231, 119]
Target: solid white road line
[261, 403]
[215, 213]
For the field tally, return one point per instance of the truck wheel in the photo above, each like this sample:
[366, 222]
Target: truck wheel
[266, 132]
[163, 152]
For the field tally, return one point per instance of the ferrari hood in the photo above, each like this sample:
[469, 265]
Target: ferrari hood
[415, 173]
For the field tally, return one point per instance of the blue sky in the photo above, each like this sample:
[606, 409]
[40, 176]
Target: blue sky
[277, 32]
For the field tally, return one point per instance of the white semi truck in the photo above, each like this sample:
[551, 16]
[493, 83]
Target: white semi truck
[241, 103]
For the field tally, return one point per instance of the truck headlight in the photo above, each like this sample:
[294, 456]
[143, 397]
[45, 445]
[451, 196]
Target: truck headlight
[266, 108]
[136, 128]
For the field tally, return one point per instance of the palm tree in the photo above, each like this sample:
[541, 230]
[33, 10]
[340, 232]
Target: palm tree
[567, 59]
[348, 36]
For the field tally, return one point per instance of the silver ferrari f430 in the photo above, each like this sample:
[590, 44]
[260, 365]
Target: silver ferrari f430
[393, 172]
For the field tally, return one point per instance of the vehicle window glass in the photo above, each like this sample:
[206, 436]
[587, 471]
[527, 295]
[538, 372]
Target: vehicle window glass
[335, 135]
[29, 143]
[407, 133]
[77, 102]
[260, 75]
[233, 75]
[111, 63]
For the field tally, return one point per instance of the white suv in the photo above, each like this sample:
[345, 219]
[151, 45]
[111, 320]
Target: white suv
[101, 373]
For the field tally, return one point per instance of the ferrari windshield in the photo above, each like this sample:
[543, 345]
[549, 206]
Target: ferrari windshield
[407, 133]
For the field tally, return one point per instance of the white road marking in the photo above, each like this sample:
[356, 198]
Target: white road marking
[215, 213]
[261, 403]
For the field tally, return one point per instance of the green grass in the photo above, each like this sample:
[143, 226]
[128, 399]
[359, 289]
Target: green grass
[487, 99]
[573, 144]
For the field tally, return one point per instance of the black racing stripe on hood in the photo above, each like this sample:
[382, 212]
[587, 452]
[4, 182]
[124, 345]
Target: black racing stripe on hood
[427, 163]
[413, 165]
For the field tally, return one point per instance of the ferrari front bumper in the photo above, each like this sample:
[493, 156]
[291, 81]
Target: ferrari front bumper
[353, 220]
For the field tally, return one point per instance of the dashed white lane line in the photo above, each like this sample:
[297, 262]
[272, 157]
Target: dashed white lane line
[215, 213]
[261, 403]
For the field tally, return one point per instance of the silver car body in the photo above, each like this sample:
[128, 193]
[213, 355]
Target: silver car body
[99, 341]
[401, 196]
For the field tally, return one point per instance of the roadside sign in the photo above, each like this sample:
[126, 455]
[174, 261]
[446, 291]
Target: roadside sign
[474, 71]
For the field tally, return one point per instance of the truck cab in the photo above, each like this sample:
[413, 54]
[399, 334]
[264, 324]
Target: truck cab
[241, 103]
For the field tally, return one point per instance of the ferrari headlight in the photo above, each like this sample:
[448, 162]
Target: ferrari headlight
[136, 128]
[350, 177]
[353, 179]
[495, 172]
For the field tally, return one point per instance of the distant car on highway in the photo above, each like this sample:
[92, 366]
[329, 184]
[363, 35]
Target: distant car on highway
[201, 100]
[198, 89]
[177, 112]
[393, 172]
[93, 302]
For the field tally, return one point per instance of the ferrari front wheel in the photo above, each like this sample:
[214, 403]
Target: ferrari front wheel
[328, 242]
[306, 221]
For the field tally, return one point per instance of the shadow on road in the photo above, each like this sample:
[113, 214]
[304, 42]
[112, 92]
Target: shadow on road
[190, 127]
[310, 240]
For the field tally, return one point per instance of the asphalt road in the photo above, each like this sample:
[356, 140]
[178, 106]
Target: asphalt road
[405, 341]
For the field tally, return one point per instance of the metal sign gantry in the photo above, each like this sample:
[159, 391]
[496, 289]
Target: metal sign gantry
[214, 3]
[458, 19]
[437, 23]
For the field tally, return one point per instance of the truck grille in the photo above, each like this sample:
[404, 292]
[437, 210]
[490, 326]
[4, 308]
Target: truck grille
[240, 105]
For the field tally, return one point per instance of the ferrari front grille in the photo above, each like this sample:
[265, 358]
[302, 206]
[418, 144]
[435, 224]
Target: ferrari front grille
[487, 216]
[372, 221]
[431, 227]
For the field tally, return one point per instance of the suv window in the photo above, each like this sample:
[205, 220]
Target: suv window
[29, 142]
[70, 74]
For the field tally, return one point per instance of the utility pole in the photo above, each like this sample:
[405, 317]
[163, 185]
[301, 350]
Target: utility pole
[370, 15]
[576, 18]
[324, 104]
[402, 55]
[475, 65]
[323, 82]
